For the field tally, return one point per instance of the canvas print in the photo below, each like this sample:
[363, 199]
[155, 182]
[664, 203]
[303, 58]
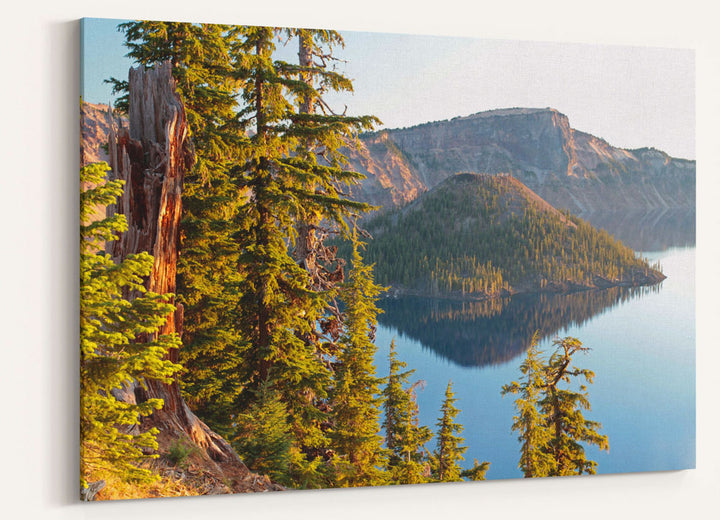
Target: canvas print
[320, 259]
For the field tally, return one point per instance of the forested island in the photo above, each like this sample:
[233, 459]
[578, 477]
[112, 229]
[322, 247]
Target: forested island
[481, 236]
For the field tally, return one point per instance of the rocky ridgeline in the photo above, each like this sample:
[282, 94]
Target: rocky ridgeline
[568, 168]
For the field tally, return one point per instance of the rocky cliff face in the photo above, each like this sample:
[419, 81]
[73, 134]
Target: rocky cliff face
[95, 122]
[568, 168]
[390, 180]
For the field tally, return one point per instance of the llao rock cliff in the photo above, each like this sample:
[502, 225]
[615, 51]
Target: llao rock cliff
[568, 168]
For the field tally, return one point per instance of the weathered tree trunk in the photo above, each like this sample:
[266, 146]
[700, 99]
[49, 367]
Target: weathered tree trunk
[305, 243]
[152, 157]
[310, 251]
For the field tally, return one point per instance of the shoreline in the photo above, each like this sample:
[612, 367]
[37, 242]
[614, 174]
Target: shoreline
[552, 288]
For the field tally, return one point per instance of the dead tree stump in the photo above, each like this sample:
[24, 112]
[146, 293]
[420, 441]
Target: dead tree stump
[152, 156]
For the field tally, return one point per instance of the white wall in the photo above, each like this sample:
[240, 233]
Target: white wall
[39, 126]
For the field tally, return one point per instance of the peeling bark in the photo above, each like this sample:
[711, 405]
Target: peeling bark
[152, 156]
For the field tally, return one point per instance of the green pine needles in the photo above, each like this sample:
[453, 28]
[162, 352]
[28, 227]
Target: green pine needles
[269, 176]
[408, 462]
[550, 423]
[264, 437]
[449, 443]
[208, 275]
[119, 344]
[355, 392]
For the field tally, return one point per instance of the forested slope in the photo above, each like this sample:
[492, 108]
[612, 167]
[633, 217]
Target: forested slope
[479, 235]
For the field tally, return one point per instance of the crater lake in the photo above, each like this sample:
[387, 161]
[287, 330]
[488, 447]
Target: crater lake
[642, 350]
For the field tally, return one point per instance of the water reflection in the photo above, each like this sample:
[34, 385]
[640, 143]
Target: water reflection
[495, 331]
[648, 231]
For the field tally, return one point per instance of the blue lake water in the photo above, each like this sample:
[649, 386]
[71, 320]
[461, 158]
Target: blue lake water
[642, 352]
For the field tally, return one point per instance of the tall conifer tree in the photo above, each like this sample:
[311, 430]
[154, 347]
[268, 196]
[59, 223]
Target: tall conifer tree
[449, 443]
[280, 306]
[404, 437]
[550, 420]
[208, 277]
[563, 408]
[355, 393]
[269, 171]
[276, 296]
[530, 423]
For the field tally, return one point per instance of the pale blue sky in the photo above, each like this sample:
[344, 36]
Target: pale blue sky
[630, 96]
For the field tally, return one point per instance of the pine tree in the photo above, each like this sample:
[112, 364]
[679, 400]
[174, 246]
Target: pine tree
[117, 317]
[269, 173]
[404, 438]
[355, 398]
[280, 306]
[275, 294]
[449, 449]
[264, 440]
[477, 472]
[550, 420]
[531, 424]
[326, 133]
[563, 408]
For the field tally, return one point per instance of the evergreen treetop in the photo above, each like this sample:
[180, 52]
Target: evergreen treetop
[208, 275]
[449, 443]
[550, 420]
[563, 408]
[355, 393]
[530, 422]
[281, 305]
[404, 437]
